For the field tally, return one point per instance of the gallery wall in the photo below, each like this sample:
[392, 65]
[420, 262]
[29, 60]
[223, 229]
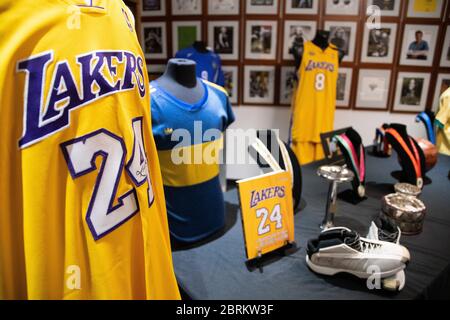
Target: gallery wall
[376, 74]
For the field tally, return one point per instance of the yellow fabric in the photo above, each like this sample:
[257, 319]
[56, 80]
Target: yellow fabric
[191, 165]
[44, 237]
[212, 84]
[308, 152]
[315, 98]
[443, 116]
[424, 6]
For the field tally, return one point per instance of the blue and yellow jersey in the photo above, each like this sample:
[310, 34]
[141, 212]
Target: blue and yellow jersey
[82, 210]
[189, 138]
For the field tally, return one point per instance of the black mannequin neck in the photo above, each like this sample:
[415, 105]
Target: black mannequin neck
[355, 138]
[181, 71]
[181, 81]
[200, 46]
[321, 39]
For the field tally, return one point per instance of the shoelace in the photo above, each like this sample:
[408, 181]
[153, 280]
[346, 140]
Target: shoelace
[387, 236]
[356, 243]
[368, 247]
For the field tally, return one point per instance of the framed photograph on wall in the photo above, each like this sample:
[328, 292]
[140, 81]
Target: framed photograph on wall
[425, 9]
[342, 7]
[288, 84]
[373, 89]
[231, 75]
[412, 91]
[261, 40]
[388, 8]
[186, 7]
[343, 35]
[445, 57]
[155, 71]
[153, 8]
[223, 38]
[442, 84]
[379, 44]
[419, 43]
[344, 86]
[259, 84]
[302, 6]
[223, 7]
[261, 6]
[185, 33]
[297, 32]
[154, 40]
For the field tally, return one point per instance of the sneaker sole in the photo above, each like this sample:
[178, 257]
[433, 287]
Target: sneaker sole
[362, 275]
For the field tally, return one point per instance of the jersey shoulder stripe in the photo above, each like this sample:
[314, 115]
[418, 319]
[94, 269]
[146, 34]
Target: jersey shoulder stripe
[216, 86]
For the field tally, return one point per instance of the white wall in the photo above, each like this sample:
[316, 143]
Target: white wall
[364, 122]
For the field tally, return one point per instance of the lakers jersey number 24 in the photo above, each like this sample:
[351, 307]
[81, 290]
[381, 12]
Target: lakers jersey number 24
[82, 213]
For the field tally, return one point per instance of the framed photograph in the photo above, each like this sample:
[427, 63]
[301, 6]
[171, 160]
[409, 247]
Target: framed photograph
[379, 44]
[445, 57]
[302, 6]
[185, 33]
[425, 9]
[419, 43]
[412, 91]
[261, 40]
[186, 7]
[223, 7]
[223, 38]
[153, 8]
[231, 75]
[262, 6]
[288, 84]
[388, 8]
[373, 88]
[155, 71]
[344, 86]
[296, 33]
[442, 84]
[154, 40]
[343, 35]
[342, 7]
[259, 84]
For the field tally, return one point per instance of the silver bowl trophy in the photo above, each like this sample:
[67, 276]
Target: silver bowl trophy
[405, 209]
[336, 175]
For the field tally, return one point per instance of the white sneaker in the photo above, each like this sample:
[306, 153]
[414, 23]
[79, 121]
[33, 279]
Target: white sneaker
[340, 250]
[384, 230]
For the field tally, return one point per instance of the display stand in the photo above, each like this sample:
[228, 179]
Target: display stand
[411, 156]
[427, 118]
[381, 147]
[336, 175]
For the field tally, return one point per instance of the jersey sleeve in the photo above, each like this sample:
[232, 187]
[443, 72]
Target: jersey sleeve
[230, 114]
[444, 111]
[220, 76]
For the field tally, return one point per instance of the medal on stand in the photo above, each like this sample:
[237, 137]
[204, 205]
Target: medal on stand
[414, 156]
[358, 163]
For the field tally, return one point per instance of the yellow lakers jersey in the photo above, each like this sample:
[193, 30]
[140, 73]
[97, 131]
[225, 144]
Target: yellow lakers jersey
[314, 103]
[82, 212]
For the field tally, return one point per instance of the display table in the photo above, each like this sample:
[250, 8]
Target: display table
[216, 269]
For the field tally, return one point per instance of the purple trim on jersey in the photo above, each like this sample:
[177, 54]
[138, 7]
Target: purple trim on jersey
[93, 167]
[127, 166]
